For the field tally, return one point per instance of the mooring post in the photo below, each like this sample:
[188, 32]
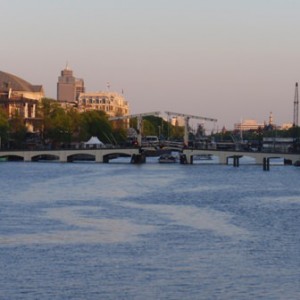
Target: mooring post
[183, 159]
[266, 164]
[236, 161]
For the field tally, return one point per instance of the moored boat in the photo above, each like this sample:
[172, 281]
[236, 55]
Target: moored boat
[167, 158]
[297, 163]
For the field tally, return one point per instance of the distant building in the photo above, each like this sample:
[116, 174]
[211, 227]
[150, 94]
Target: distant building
[112, 103]
[71, 93]
[177, 121]
[248, 125]
[20, 98]
[253, 125]
[69, 87]
[286, 126]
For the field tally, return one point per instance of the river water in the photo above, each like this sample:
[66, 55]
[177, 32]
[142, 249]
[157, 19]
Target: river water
[151, 231]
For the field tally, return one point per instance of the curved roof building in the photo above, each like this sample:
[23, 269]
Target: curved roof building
[20, 98]
[19, 86]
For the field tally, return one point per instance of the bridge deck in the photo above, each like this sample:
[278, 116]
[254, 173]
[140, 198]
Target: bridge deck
[104, 154]
[224, 155]
[64, 155]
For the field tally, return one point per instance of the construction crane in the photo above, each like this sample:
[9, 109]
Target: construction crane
[296, 106]
[186, 118]
[139, 122]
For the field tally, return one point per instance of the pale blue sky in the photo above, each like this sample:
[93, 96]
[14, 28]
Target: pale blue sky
[225, 59]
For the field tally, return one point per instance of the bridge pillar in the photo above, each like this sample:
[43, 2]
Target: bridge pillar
[27, 156]
[223, 159]
[99, 157]
[63, 157]
[138, 158]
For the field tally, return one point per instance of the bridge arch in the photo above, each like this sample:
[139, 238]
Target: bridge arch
[12, 157]
[81, 157]
[114, 155]
[241, 159]
[45, 157]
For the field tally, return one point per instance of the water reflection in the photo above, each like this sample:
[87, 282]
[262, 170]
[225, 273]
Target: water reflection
[87, 229]
[202, 219]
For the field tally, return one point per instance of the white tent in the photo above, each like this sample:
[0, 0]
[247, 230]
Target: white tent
[93, 142]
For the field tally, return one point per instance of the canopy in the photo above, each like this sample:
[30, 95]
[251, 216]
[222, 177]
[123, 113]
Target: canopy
[94, 142]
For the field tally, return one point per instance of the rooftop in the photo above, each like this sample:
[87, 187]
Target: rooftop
[17, 84]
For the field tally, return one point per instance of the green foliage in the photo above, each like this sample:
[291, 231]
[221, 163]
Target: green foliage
[95, 123]
[119, 135]
[158, 126]
[4, 127]
[57, 124]
[17, 131]
[294, 132]
[66, 126]
[60, 126]
[149, 128]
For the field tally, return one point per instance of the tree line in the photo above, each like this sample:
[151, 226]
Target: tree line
[56, 127]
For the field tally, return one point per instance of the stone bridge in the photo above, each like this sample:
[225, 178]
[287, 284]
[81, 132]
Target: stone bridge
[101, 155]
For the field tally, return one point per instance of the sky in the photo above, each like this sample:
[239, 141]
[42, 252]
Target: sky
[229, 60]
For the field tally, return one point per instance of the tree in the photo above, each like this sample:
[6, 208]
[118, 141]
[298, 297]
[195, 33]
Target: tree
[4, 128]
[163, 129]
[149, 128]
[75, 124]
[95, 123]
[119, 135]
[17, 130]
[57, 127]
[63, 126]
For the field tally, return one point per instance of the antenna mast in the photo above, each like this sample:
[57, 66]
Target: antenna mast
[296, 106]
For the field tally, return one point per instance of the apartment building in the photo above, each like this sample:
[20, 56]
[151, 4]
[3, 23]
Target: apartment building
[112, 103]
